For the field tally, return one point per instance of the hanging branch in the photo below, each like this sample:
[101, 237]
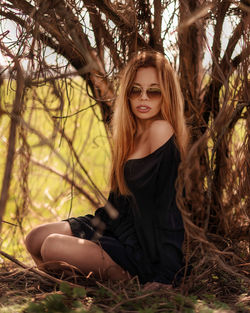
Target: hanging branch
[16, 112]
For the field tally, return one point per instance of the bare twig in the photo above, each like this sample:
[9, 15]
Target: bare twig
[17, 109]
[36, 271]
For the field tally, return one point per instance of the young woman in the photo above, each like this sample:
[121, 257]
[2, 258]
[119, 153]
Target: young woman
[149, 141]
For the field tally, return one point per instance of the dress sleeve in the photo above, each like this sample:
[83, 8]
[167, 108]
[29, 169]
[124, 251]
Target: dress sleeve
[102, 212]
[168, 221]
[121, 204]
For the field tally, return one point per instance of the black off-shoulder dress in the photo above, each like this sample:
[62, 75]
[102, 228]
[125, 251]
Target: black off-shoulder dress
[146, 239]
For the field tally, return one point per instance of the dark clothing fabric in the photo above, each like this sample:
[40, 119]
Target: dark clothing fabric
[149, 225]
[82, 227]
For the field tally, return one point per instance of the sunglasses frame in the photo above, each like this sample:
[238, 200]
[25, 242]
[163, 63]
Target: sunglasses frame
[156, 96]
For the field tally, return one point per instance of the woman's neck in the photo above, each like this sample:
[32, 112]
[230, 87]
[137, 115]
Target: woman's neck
[144, 125]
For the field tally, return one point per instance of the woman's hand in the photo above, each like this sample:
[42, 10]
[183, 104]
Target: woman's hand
[150, 286]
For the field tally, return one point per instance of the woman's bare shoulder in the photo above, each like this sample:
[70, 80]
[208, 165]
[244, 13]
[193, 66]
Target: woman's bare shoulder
[159, 132]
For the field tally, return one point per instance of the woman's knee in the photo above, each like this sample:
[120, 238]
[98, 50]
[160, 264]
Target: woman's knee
[33, 241]
[36, 237]
[51, 246]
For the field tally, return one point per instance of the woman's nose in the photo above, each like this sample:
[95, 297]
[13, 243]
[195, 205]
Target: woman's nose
[144, 94]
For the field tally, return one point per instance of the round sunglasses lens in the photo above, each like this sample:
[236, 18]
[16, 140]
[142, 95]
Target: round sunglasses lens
[135, 92]
[154, 93]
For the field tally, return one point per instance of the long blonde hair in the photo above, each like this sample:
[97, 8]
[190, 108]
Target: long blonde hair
[124, 123]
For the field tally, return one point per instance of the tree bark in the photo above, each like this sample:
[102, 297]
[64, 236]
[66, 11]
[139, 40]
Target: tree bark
[190, 44]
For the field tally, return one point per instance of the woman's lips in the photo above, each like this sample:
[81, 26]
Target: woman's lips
[143, 108]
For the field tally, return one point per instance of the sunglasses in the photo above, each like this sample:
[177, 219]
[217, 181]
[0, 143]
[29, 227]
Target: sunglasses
[152, 93]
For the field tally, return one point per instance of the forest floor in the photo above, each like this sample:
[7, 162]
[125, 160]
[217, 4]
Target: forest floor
[22, 290]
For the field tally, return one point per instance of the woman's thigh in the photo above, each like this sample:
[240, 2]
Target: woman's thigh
[84, 254]
[36, 237]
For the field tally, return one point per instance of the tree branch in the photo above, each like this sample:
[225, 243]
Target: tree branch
[216, 48]
[69, 180]
[238, 32]
[118, 20]
[16, 111]
[77, 57]
[221, 71]
[37, 34]
[191, 69]
[75, 48]
[37, 271]
[101, 32]
[241, 57]
[157, 25]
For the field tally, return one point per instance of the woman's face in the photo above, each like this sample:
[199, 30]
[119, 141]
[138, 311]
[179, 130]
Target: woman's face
[145, 94]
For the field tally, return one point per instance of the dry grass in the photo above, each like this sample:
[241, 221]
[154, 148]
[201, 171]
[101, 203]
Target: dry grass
[23, 288]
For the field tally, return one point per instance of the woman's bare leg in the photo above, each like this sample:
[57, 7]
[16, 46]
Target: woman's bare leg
[54, 242]
[36, 237]
[84, 254]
